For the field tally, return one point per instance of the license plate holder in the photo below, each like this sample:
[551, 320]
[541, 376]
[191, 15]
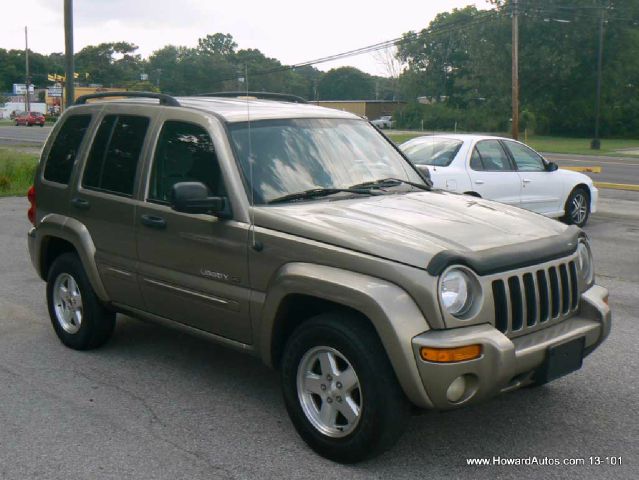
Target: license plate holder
[562, 359]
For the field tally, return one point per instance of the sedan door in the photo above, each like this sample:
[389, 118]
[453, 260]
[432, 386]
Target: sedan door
[542, 191]
[492, 174]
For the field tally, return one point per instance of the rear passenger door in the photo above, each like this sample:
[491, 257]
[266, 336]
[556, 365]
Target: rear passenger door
[492, 175]
[193, 267]
[105, 204]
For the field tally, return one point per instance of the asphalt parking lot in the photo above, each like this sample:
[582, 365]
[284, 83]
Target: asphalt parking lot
[158, 404]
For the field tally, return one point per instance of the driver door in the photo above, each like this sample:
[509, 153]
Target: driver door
[193, 267]
[541, 190]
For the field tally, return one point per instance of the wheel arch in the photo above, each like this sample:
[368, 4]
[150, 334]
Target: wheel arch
[300, 290]
[58, 234]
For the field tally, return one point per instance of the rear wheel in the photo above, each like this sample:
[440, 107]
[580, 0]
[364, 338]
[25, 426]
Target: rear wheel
[79, 319]
[340, 389]
[577, 208]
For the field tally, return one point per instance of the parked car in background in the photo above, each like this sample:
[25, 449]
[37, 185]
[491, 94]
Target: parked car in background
[385, 121]
[29, 119]
[504, 170]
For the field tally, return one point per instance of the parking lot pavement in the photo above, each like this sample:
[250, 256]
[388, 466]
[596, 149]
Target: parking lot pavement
[158, 404]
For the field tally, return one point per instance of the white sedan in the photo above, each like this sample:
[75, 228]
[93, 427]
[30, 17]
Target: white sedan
[504, 170]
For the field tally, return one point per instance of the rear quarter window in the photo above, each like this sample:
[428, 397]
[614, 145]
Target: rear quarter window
[59, 162]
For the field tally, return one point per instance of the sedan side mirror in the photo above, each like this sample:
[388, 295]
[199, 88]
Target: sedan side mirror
[552, 167]
[193, 197]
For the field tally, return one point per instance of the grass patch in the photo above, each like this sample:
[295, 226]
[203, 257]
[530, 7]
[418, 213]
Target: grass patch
[17, 170]
[574, 146]
[579, 146]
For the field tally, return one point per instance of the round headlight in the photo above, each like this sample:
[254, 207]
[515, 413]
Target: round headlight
[456, 292]
[584, 263]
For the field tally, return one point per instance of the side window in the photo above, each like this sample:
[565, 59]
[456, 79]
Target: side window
[64, 150]
[526, 159]
[475, 160]
[115, 153]
[184, 153]
[492, 155]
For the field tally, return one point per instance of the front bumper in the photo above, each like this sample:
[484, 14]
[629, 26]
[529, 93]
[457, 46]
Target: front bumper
[506, 364]
[594, 199]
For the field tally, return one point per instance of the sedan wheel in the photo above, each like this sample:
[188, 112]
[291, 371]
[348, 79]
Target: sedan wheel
[577, 207]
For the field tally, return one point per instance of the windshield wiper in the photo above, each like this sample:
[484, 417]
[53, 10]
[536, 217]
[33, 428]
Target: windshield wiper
[390, 182]
[318, 192]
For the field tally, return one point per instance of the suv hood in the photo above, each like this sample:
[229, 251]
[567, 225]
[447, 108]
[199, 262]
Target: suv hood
[409, 228]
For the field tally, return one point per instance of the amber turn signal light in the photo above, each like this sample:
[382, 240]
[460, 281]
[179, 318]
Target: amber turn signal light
[450, 355]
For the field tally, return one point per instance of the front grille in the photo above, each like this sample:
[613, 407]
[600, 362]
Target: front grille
[528, 300]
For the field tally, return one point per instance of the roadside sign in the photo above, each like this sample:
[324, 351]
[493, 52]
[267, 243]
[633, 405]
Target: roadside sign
[54, 91]
[21, 89]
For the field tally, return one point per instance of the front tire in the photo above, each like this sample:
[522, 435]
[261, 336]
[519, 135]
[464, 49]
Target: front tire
[577, 208]
[340, 390]
[79, 319]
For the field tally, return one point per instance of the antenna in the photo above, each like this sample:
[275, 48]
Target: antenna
[254, 243]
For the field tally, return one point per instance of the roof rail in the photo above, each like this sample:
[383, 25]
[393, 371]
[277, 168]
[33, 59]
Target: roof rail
[284, 97]
[167, 100]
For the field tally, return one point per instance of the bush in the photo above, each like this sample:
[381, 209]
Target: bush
[442, 117]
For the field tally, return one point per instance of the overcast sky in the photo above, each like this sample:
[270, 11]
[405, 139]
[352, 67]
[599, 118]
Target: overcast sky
[291, 31]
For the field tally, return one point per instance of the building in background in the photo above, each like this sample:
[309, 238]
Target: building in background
[371, 109]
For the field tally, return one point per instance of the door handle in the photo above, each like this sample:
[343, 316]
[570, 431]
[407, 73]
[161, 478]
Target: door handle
[479, 182]
[527, 180]
[154, 222]
[80, 203]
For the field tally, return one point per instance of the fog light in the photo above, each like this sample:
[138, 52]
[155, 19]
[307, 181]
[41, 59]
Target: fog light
[456, 390]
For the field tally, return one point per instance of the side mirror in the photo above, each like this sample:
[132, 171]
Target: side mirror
[193, 197]
[551, 167]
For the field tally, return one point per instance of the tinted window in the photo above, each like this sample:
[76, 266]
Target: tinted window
[184, 153]
[115, 153]
[492, 156]
[526, 159]
[433, 151]
[65, 149]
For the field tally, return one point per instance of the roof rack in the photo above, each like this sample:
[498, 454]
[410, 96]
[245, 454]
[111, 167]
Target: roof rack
[167, 100]
[284, 97]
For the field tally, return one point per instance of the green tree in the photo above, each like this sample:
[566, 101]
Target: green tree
[217, 44]
[346, 83]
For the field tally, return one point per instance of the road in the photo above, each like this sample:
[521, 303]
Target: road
[32, 136]
[158, 404]
[614, 169]
[623, 170]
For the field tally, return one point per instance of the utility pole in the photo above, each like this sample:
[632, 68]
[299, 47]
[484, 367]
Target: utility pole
[596, 141]
[27, 100]
[68, 45]
[515, 66]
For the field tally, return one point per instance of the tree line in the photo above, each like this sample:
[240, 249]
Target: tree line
[215, 64]
[455, 73]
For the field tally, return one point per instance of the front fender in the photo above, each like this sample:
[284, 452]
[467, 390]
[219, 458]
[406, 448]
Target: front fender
[393, 313]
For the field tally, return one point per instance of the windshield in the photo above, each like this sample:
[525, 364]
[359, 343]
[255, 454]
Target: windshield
[438, 152]
[296, 155]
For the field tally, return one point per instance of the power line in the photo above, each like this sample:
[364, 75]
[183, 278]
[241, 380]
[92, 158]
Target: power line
[483, 17]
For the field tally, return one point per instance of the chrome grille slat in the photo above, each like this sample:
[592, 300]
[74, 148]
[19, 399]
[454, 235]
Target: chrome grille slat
[529, 299]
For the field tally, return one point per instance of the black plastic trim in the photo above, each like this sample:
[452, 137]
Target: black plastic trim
[164, 99]
[510, 257]
[283, 97]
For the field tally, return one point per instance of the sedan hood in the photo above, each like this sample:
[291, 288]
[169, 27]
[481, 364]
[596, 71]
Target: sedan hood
[409, 228]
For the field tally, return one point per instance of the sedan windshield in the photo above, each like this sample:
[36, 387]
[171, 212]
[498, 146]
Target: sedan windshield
[288, 157]
[438, 152]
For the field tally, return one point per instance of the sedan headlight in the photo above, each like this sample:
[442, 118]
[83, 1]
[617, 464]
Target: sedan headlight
[458, 291]
[585, 266]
